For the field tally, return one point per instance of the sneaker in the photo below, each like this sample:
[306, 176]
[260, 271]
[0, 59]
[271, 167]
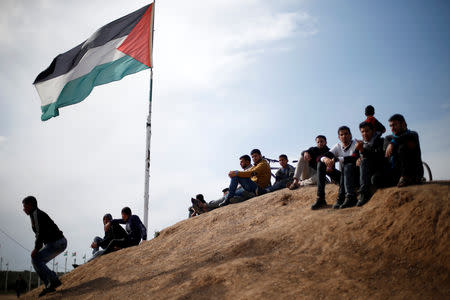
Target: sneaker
[46, 290]
[320, 203]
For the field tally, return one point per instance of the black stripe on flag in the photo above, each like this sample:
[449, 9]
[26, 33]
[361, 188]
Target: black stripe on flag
[65, 62]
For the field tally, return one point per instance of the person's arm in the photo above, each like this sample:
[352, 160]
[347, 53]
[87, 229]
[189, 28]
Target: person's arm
[291, 172]
[38, 221]
[252, 171]
[279, 175]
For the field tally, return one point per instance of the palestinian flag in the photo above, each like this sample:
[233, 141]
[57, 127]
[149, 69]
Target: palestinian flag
[114, 51]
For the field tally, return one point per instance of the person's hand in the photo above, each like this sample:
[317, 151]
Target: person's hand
[307, 156]
[329, 163]
[359, 146]
[33, 253]
[94, 245]
[389, 150]
[232, 174]
[358, 162]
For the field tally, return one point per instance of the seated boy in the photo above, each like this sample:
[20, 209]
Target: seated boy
[114, 231]
[253, 180]
[342, 152]
[371, 162]
[284, 176]
[136, 231]
[403, 150]
[306, 170]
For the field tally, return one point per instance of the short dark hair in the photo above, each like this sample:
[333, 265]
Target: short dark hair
[321, 137]
[344, 128]
[397, 117]
[366, 124]
[30, 200]
[107, 216]
[283, 156]
[225, 190]
[200, 197]
[245, 157]
[255, 151]
[370, 110]
[126, 210]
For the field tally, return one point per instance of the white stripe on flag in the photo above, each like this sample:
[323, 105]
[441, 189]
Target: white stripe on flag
[49, 90]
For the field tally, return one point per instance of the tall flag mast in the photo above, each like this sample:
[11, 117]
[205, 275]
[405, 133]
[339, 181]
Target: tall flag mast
[120, 48]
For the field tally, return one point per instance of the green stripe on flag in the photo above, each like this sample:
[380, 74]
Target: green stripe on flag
[78, 89]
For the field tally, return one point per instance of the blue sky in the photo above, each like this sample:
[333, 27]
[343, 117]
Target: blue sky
[229, 76]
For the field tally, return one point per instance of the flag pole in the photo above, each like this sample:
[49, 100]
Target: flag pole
[149, 129]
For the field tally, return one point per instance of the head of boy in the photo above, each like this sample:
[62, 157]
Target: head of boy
[29, 204]
[283, 160]
[107, 218]
[397, 124]
[321, 141]
[367, 131]
[225, 191]
[126, 213]
[200, 198]
[244, 161]
[344, 135]
[256, 156]
[369, 111]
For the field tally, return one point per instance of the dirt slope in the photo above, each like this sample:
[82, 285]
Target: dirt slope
[275, 247]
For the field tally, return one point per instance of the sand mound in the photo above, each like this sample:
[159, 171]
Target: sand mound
[275, 247]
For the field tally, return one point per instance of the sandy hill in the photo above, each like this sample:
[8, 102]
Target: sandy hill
[275, 247]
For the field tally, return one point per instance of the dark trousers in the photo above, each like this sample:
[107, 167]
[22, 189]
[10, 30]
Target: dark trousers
[335, 175]
[119, 243]
[349, 181]
[407, 161]
[372, 176]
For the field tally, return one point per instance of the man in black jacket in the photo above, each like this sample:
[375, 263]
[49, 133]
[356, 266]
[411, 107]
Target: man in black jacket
[306, 170]
[371, 162]
[50, 242]
[136, 231]
[113, 231]
[403, 150]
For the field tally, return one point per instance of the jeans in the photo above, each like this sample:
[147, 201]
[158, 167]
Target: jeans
[50, 251]
[348, 183]
[96, 252]
[278, 185]
[321, 178]
[246, 183]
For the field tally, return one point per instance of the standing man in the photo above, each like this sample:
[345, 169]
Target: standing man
[50, 242]
[21, 286]
[253, 180]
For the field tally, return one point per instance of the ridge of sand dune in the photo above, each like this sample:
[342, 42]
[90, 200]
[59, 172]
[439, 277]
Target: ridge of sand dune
[275, 247]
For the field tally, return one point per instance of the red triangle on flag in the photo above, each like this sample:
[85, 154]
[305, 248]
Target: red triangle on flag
[139, 42]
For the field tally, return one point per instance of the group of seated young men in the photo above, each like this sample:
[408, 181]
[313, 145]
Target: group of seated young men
[365, 165]
[116, 237]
